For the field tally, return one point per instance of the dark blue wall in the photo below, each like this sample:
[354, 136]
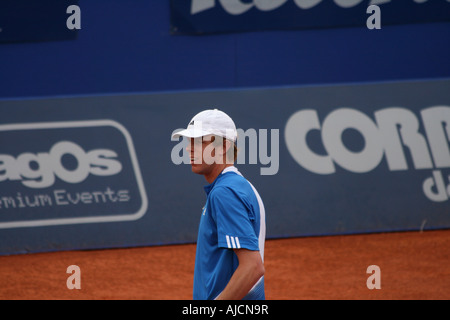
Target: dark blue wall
[166, 207]
[125, 46]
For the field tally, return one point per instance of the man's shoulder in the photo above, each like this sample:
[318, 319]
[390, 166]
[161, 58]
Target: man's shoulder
[232, 181]
[232, 184]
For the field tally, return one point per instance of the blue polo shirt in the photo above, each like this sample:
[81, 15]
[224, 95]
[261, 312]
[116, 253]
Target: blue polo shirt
[232, 218]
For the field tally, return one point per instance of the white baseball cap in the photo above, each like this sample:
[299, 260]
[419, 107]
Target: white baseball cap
[210, 122]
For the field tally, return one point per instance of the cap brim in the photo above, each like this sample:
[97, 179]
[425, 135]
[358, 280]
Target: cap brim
[190, 133]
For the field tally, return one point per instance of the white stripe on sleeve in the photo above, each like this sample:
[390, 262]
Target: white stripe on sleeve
[228, 242]
[238, 245]
[233, 243]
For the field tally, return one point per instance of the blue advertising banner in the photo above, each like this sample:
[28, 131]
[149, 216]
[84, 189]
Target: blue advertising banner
[103, 171]
[218, 16]
[50, 177]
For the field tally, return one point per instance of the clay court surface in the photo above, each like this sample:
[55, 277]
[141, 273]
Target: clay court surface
[414, 265]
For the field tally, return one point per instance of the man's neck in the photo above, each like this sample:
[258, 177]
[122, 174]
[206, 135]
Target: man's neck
[216, 171]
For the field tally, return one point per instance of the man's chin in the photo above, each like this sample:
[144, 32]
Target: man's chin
[196, 168]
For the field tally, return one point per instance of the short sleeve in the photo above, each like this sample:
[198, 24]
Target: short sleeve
[235, 220]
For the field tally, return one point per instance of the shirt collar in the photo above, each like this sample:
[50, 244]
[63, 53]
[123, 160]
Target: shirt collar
[209, 187]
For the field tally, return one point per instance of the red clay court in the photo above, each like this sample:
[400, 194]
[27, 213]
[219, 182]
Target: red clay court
[414, 265]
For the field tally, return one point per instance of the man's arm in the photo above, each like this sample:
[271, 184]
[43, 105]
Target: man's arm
[249, 271]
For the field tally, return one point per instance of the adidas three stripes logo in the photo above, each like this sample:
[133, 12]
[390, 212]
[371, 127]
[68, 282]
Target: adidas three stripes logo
[233, 242]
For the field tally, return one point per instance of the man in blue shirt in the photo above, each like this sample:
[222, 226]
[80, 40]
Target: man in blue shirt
[230, 244]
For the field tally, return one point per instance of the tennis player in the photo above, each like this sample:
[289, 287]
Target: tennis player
[230, 245]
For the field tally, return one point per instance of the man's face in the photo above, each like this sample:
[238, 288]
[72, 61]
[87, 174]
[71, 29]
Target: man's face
[202, 154]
